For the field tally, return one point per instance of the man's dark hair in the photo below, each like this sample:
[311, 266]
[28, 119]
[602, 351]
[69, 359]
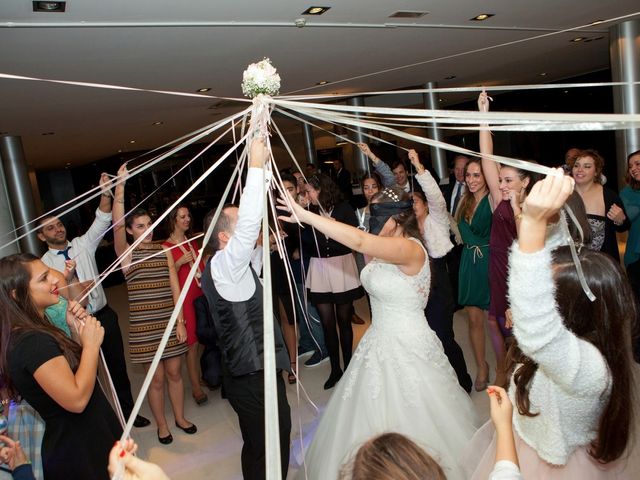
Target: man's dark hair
[223, 224]
[397, 163]
[43, 220]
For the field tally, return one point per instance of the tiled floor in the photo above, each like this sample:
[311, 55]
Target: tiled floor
[214, 452]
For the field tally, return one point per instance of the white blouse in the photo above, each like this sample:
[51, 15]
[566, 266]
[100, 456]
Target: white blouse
[436, 225]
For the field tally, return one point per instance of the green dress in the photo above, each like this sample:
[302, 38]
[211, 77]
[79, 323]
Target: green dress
[473, 280]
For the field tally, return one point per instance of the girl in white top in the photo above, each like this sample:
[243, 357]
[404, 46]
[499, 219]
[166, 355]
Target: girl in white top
[572, 382]
[431, 212]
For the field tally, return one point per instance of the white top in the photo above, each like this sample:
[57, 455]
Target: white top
[83, 251]
[572, 384]
[230, 266]
[505, 470]
[436, 225]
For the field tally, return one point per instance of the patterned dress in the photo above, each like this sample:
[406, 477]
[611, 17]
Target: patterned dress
[150, 305]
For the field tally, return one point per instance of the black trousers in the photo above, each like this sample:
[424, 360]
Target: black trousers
[439, 313]
[114, 356]
[453, 267]
[246, 396]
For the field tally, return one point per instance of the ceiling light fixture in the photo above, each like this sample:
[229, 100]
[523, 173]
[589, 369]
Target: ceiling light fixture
[322, 82]
[450, 77]
[596, 22]
[157, 123]
[543, 74]
[577, 39]
[315, 10]
[49, 7]
[407, 14]
[482, 16]
[132, 141]
[48, 133]
[202, 90]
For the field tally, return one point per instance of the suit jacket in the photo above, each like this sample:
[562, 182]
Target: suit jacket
[447, 191]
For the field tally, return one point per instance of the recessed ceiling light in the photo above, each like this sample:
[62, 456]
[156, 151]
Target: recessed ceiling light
[49, 7]
[68, 164]
[315, 10]
[450, 77]
[202, 90]
[577, 39]
[48, 133]
[407, 14]
[482, 16]
[132, 141]
[119, 151]
[596, 22]
[322, 82]
[543, 74]
[157, 123]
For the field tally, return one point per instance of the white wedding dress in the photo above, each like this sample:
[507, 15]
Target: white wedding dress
[399, 380]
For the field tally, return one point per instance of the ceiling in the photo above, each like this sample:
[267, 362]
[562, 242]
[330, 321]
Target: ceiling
[190, 44]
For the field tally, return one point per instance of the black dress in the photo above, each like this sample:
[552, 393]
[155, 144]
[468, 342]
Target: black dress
[75, 445]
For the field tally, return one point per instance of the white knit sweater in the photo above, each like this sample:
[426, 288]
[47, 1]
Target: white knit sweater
[572, 384]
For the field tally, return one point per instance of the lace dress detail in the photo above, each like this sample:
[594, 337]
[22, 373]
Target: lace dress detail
[399, 379]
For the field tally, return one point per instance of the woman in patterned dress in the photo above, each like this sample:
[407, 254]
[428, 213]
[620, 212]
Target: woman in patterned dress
[152, 283]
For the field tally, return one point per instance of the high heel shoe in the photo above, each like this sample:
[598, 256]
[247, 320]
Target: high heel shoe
[188, 430]
[200, 399]
[333, 379]
[481, 384]
[165, 440]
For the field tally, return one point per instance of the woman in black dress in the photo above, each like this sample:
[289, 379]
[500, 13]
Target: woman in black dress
[55, 374]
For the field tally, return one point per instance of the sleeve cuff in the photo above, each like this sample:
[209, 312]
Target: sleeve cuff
[255, 176]
[103, 215]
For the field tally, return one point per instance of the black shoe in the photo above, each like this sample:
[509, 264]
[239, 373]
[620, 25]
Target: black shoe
[165, 440]
[333, 379]
[141, 421]
[189, 430]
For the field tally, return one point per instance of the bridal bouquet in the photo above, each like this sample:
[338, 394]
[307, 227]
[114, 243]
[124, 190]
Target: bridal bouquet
[261, 77]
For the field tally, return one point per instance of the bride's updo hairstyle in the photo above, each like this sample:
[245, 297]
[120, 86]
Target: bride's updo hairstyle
[605, 323]
[391, 456]
[403, 215]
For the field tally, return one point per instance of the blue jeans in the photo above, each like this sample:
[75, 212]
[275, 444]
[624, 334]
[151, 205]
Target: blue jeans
[311, 335]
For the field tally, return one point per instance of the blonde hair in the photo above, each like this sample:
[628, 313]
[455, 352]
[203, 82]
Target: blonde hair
[392, 456]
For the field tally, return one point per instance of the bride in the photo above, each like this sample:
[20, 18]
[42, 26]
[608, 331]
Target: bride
[399, 379]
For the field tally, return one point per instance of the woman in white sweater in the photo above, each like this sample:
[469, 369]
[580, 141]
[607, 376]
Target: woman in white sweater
[572, 380]
[431, 212]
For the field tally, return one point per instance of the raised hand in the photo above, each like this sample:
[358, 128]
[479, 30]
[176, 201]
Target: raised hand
[364, 148]
[548, 196]
[415, 160]
[105, 184]
[483, 102]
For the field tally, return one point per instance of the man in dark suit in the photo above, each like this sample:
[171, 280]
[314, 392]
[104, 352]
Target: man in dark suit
[343, 179]
[453, 193]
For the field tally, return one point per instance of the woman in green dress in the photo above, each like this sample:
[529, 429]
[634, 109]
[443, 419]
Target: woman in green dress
[474, 222]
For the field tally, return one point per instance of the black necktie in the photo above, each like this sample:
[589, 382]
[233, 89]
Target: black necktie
[65, 252]
[456, 199]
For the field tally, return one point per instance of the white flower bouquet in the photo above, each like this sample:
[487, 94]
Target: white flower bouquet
[260, 78]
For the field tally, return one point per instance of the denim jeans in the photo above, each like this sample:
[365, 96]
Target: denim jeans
[311, 335]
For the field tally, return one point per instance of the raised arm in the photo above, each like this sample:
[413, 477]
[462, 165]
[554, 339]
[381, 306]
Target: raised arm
[397, 250]
[119, 233]
[537, 323]
[490, 169]
[435, 199]
[93, 236]
[382, 169]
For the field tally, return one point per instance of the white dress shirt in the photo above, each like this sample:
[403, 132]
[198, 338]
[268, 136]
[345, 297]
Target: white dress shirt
[436, 225]
[83, 250]
[230, 266]
[505, 470]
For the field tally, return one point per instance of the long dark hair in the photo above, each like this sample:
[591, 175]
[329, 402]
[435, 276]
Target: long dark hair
[18, 314]
[172, 218]
[605, 323]
[329, 193]
[524, 174]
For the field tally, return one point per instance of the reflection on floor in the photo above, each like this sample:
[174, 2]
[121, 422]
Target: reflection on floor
[214, 452]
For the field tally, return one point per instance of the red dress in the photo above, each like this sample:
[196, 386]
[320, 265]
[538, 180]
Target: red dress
[188, 310]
